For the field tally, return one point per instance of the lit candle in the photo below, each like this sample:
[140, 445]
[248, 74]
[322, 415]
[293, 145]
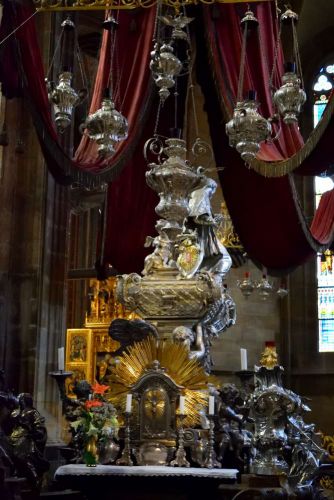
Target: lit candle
[182, 404]
[128, 403]
[211, 405]
[61, 362]
[243, 358]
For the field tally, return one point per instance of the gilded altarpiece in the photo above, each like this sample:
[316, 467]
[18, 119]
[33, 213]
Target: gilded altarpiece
[89, 350]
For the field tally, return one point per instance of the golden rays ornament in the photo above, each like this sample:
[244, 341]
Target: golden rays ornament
[174, 360]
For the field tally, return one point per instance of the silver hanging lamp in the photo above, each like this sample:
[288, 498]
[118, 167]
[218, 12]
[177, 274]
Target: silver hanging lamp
[107, 126]
[247, 128]
[62, 95]
[290, 97]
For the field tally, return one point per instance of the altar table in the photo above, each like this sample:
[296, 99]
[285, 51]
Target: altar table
[144, 482]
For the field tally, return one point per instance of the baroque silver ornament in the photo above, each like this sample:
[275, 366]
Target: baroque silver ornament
[264, 288]
[165, 66]
[246, 286]
[106, 127]
[64, 99]
[182, 282]
[178, 22]
[247, 129]
[289, 98]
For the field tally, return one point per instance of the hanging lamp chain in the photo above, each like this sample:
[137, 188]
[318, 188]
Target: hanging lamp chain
[274, 69]
[297, 53]
[242, 64]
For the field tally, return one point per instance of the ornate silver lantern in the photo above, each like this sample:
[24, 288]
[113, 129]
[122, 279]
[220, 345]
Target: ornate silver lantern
[290, 97]
[107, 127]
[282, 292]
[165, 66]
[264, 287]
[247, 129]
[64, 99]
[62, 95]
[247, 285]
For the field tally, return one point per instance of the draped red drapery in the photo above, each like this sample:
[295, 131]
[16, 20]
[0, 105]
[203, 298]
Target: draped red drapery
[265, 211]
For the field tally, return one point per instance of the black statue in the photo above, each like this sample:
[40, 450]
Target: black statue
[126, 332]
[235, 440]
[8, 403]
[28, 439]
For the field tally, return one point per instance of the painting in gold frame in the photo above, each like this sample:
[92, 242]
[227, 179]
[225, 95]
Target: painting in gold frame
[78, 345]
[104, 359]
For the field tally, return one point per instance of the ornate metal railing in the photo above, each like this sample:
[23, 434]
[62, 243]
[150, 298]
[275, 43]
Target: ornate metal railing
[62, 5]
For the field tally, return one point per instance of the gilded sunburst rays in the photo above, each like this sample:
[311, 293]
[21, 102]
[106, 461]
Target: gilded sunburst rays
[174, 358]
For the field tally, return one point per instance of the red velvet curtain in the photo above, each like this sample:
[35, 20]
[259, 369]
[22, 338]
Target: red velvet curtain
[322, 226]
[265, 211]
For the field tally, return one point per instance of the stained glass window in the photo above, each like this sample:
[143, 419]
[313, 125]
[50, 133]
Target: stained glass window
[322, 87]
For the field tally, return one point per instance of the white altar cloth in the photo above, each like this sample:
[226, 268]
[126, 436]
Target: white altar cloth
[143, 471]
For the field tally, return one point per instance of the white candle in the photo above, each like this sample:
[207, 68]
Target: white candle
[211, 405]
[61, 362]
[243, 358]
[182, 404]
[128, 403]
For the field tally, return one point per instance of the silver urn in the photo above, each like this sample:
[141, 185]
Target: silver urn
[152, 453]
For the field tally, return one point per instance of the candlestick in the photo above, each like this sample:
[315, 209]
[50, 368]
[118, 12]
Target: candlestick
[60, 377]
[211, 462]
[243, 358]
[61, 361]
[182, 404]
[211, 405]
[125, 458]
[128, 406]
[180, 459]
